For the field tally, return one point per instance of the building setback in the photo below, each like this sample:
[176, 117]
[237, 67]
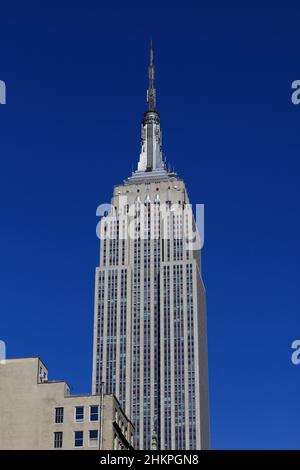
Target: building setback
[36, 414]
[150, 342]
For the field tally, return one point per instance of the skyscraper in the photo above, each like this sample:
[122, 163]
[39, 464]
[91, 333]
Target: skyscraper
[150, 344]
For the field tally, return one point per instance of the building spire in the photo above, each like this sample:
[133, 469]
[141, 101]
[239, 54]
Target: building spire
[151, 143]
[151, 95]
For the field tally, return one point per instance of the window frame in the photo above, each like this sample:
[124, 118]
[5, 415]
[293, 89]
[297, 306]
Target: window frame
[96, 441]
[74, 440]
[75, 414]
[59, 435]
[55, 414]
[90, 414]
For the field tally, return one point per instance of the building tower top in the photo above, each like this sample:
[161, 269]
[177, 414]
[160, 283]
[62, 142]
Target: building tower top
[151, 164]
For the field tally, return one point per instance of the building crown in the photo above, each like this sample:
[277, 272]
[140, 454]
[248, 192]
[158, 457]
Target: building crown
[151, 161]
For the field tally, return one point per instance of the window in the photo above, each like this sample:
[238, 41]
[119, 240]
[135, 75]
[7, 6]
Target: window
[94, 413]
[78, 439]
[59, 415]
[58, 440]
[93, 438]
[79, 414]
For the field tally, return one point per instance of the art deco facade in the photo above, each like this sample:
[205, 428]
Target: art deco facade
[150, 346]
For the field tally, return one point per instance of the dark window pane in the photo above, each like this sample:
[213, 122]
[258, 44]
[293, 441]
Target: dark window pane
[78, 438]
[58, 440]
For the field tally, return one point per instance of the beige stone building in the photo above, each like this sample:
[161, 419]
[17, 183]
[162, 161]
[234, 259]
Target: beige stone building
[39, 414]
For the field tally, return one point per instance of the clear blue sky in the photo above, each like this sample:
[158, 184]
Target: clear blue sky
[76, 76]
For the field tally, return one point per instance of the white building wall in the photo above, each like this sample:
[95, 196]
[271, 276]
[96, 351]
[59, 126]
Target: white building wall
[145, 297]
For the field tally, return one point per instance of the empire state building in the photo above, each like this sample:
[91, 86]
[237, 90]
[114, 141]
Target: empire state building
[150, 341]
